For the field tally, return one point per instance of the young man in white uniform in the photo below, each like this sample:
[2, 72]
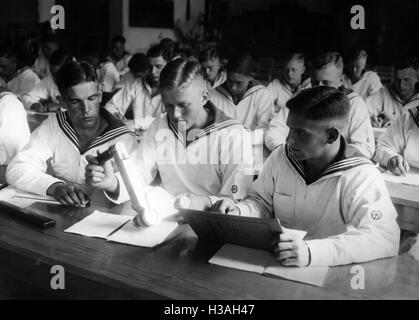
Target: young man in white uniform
[53, 163]
[327, 71]
[309, 184]
[195, 148]
[14, 129]
[214, 71]
[392, 100]
[241, 97]
[142, 95]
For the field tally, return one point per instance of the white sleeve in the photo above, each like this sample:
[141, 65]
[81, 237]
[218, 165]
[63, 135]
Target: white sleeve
[35, 95]
[14, 129]
[277, 132]
[28, 81]
[27, 171]
[272, 91]
[259, 202]
[375, 103]
[375, 85]
[109, 77]
[265, 110]
[144, 158]
[236, 164]
[391, 143]
[120, 101]
[367, 207]
[361, 137]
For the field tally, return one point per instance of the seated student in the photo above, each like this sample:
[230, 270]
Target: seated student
[392, 100]
[327, 70]
[139, 68]
[49, 44]
[214, 71]
[14, 129]
[241, 97]
[19, 77]
[43, 97]
[398, 147]
[118, 55]
[53, 163]
[283, 89]
[309, 184]
[195, 148]
[291, 81]
[364, 82]
[142, 95]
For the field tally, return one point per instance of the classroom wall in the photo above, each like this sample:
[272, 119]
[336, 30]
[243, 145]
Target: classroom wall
[140, 39]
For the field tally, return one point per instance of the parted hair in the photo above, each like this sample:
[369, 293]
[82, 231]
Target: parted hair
[320, 103]
[74, 72]
[243, 63]
[179, 73]
[159, 51]
[323, 59]
[209, 53]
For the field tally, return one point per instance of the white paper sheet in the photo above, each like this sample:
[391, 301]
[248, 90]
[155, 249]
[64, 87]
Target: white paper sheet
[24, 199]
[98, 224]
[262, 262]
[143, 237]
[412, 177]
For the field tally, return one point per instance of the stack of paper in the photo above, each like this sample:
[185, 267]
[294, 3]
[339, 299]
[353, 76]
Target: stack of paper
[119, 228]
[264, 263]
[24, 199]
[412, 177]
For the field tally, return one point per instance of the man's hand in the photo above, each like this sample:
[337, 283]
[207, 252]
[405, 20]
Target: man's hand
[39, 107]
[226, 206]
[398, 166]
[375, 121]
[53, 107]
[291, 250]
[68, 194]
[100, 177]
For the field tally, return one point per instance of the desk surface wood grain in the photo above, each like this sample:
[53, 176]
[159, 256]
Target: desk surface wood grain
[176, 269]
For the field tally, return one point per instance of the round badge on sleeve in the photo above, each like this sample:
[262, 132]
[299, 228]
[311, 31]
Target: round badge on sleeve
[376, 214]
[234, 188]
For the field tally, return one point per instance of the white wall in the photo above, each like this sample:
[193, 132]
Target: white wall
[140, 39]
[44, 9]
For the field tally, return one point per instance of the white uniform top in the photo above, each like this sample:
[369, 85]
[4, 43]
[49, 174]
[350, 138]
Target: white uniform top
[137, 94]
[14, 129]
[347, 212]
[358, 131]
[23, 82]
[219, 80]
[122, 65]
[388, 101]
[402, 137]
[368, 85]
[41, 66]
[281, 92]
[46, 89]
[216, 161]
[108, 76]
[53, 153]
[254, 110]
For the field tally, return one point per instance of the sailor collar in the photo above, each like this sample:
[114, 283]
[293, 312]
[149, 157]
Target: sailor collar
[254, 87]
[337, 167]
[217, 121]
[395, 95]
[115, 128]
[415, 114]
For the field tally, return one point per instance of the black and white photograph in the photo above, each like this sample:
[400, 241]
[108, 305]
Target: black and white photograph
[209, 154]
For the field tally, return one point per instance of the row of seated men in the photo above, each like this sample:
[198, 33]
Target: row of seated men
[319, 179]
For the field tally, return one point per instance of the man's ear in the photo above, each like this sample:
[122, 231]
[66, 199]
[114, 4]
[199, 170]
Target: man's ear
[332, 135]
[61, 102]
[205, 96]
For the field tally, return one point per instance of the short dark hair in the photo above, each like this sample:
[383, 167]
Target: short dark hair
[74, 72]
[139, 63]
[179, 73]
[323, 59]
[120, 39]
[243, 63]
[159, 51]
[320, 103]
[209, 53]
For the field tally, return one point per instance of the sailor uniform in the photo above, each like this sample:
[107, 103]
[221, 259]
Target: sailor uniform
[137, 95]
[281, 92]
[108, 76]
[41, 66]
[254, 110]
[219, 80]
[53, 153]
[369, 85]
[347, 212]
[402, 137]
[23, 81]
[122, 65]
[388, 102]
[46, 89]
[358, 131]
[14, 129]
[214, 161]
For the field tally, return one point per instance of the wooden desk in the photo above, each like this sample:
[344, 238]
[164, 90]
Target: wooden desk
[177, 269]
[406, 200]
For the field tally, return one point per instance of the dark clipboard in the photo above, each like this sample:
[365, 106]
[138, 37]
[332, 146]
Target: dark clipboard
[256, 233]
